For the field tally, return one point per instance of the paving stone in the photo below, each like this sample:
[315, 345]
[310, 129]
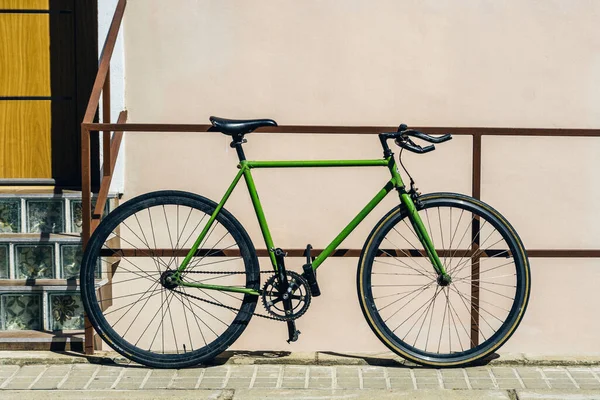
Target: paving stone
[211, 383]
[321, 371]
[373, 383]
[558, 395]
[101, 383]
[346, 372]
[184, 383]
[239, 383]
[478, 373]
[128, 385]
[127, 382]
[109, 371]
[581, 373]
[160, 383]
[425, 373]
[535, 383]
[555, 374]
[500, 372]
[453, 373]
[47, 383]
[265, 383]
[319, 383]
[430, 379]
[74, 384]
[294, 372]
[481, 383]
[348, 383]
[19, 383]
[455, 383]
[529, 373]
[293, 383]
[57, 370]
[588, 383]
[401, 384]
[561, 384]
[163, 373]
[30, 370]
[81, 374]
[399, 372]
[373, 371]
[8, 370]
[190, 372]
[509, 383]
[428, 386]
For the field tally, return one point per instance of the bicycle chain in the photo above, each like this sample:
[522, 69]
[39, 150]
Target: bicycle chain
[223, 305]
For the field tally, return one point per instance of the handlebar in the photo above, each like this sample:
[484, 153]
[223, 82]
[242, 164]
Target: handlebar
[403, 135]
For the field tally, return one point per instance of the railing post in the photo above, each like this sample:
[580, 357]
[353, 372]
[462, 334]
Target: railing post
[475, 239]
[86, 218]
[107, 167]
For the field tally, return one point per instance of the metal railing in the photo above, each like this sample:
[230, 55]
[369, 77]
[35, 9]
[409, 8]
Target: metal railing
[91, 218]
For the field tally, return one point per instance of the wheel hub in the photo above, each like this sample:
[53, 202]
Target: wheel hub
[167, 280]
[444, 280]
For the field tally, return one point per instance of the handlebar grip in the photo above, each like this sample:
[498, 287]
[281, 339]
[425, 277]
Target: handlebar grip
[427, 149]
[441, 139]
[426, 137]
[408, 144]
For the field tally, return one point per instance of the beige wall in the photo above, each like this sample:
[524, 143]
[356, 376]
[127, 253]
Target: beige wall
[436, 63]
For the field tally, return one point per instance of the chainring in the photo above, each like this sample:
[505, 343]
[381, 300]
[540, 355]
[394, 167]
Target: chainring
[300, 295]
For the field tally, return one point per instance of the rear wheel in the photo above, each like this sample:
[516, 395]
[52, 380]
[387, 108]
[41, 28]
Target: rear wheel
[135, 307]
[430, 321]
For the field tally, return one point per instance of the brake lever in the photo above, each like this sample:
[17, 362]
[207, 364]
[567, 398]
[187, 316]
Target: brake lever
[406, 143]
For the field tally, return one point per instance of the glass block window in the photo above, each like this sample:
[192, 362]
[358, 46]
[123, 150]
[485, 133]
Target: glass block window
[4, 262]
[20, 311]
[70, 261]
[34, 261]
[76, 216]
[45, 216]
[66, 311]
[10, 215]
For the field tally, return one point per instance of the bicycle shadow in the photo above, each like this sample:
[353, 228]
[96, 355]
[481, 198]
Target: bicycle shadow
[323, 358]
[386, 360]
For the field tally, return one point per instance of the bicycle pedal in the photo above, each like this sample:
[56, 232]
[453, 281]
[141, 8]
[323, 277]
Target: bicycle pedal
[311, 277]
[292, 331]
[294, 336]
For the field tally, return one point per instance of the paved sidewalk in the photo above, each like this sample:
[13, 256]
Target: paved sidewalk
[283, 375]
[302, 381]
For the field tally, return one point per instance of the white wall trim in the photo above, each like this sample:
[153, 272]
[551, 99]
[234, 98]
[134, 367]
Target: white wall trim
[106, 9]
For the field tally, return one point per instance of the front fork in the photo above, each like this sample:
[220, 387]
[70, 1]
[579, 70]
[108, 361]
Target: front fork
[421, 231]
[409, 200]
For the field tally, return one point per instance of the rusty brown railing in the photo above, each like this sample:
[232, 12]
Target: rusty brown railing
[111, 150]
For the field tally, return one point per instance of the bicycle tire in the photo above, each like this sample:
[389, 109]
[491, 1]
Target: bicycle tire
[379, 318]
[115, 227]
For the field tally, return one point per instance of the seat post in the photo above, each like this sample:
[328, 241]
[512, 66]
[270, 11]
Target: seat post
[240, 152]
[238, 140]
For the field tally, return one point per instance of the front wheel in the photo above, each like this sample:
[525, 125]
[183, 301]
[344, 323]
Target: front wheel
[428, 320]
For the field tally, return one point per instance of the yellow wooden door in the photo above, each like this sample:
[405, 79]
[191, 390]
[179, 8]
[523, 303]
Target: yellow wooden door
[25, 106]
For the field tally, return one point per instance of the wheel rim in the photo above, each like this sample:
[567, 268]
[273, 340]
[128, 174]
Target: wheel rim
[138, 306]
[426, 317]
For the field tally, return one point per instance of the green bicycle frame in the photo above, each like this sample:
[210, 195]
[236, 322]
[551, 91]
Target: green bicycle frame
[245, 168]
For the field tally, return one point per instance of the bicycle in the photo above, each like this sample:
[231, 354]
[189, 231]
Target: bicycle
[428, 294]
